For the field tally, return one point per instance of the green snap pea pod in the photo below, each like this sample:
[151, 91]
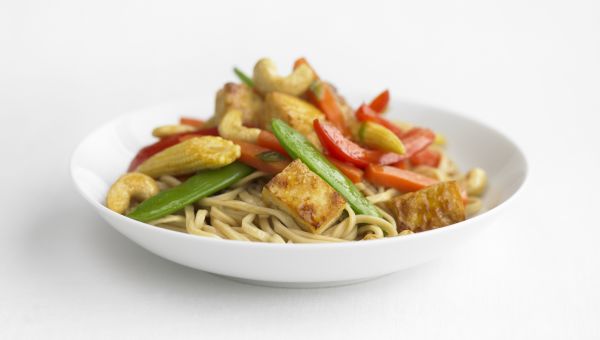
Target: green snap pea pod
[243, 77]
[204, 183]
[298, 146]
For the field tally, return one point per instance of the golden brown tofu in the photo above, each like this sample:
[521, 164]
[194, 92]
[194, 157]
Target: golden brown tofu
[294, 111]
[305, 196]
[433, 207]
[239, 97]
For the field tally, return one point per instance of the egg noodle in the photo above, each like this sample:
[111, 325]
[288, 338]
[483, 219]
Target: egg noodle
[239, 213]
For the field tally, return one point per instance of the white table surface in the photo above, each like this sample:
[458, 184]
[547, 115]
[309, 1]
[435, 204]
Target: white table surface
[529, 68]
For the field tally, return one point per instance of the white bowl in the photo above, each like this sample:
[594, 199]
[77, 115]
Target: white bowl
[105, 154]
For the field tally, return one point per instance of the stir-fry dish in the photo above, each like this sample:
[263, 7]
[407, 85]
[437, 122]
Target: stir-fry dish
[285, 159]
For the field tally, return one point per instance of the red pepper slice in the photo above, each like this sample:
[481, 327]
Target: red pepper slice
[353, 173]
[345, 150]
[321, 95]
[366, 114]
[303, 61]
[426, 157]
[417, 139]
[167, 142]
[191, 122]
[261, 158]
[269, 141]
[380, 103]
[403, 180]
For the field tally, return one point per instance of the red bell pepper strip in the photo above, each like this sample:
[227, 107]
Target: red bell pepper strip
[197, 123]
[417, 139]
[167, 142]
[345, 150]
[366, 114]
[269, 141]
[380, 103]
[403, 180]
[321, 95]
[426, 157]
[404, 164]
[262, 159]
[353, 173]
[302, 61]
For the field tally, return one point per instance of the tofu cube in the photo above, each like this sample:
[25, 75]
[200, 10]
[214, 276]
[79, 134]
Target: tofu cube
[239, 97]
[313, 203]
[298, 113]
[433, 207]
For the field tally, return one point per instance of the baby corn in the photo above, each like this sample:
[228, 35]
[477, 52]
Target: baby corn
[381, 138]
[206, 152]
[169, 130]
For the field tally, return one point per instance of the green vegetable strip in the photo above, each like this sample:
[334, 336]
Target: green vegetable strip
[203, 184]
[298, 146]
[243, 77]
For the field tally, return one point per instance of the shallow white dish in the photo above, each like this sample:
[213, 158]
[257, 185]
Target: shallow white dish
[105, 154]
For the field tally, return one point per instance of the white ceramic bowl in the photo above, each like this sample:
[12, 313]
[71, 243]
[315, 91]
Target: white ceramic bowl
[106, 152]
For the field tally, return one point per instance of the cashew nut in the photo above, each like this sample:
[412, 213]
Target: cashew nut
[231, 128]
[475, 181]
[169, 130]
[267, 80]
[133, 185]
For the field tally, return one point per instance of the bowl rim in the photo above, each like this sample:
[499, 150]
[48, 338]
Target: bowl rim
[343, 245]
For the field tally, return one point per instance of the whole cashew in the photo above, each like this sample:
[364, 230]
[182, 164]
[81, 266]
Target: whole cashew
[231, 128]
[132, 185]
[475, 181]
[267, 80]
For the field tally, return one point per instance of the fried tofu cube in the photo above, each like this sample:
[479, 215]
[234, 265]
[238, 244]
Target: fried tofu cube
[313, 203]
[298, 113]
[433, 207]
[239, 97]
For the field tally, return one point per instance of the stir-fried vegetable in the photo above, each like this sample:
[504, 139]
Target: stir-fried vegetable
[345, 150]
[403, 180]
[203, 184]
[310, 147]
[197, 123]
[366, 114]
[426, 157]
[269, 141]
[353, 173]
[194, 154]
[298, 146]
[417, 139]
[243, 77]
[379, 137]
[321, 95]
[262, 159]
[380, 103]
[167, 142]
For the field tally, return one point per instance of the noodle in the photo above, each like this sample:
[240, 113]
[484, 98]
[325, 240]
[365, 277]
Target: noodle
[240, 213]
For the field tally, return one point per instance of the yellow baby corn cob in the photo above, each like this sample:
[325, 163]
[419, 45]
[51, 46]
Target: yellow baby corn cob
[169, 130]
[439, 139]
[206, 152]
[381, 138]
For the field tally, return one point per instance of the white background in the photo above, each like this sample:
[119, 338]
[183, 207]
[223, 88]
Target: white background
[529, 68]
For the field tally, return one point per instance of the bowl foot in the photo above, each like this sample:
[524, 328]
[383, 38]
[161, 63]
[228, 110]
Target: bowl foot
[300, 285]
